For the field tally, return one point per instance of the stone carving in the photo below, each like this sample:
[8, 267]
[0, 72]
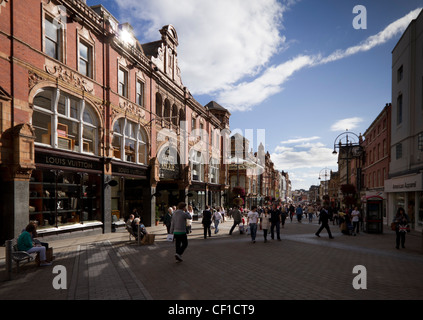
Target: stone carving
[68, 76]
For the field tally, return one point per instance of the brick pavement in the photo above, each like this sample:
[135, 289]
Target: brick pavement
[223, 267]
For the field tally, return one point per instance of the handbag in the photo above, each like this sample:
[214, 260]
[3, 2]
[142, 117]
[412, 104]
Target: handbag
[169, 237]
[393, 226]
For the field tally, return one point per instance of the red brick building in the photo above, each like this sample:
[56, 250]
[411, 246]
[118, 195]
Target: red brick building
[94, 124]
[377, 150]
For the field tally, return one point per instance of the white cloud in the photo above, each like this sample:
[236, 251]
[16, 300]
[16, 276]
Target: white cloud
[302, 153]
[248, 94]
[220, 41]
[346, 124]
[227, 54]
[395, 28]
[299, 140]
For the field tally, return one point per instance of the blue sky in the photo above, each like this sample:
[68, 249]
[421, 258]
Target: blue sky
[296, 68]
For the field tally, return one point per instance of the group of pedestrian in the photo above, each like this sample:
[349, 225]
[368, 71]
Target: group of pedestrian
[212, 215]
[269, 219]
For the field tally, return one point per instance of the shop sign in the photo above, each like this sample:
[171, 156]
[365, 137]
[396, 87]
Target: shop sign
[117, 169]
[169, 164]
[55, 160]
[405, 184]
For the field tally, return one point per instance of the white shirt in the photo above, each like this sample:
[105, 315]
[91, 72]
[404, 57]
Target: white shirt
[355, 215]
[217, 215]
[253, 217]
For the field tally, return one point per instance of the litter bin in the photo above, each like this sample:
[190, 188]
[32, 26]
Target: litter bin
[373, 217]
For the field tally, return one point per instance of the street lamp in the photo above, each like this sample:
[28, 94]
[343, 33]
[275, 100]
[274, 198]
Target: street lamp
[348, 144]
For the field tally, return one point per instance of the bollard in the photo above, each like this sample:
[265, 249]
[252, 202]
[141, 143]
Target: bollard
[9, 259]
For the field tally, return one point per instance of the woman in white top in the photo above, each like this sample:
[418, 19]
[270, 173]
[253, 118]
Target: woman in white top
[265, 222]
[217, 216]
[355, 214]
[189, 221]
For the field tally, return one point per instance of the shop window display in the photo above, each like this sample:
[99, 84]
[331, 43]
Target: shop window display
[60, 198]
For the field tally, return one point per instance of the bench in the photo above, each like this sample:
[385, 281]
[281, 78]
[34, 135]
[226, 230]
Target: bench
[146, 238]
[21, 256]
[131, 232]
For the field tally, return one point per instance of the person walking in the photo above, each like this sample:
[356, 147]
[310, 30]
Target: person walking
[355, 218]
[299, 212]
[252, 221]
[310, 211]
[207, 221]
[401, 221]
[324, 220]
[284, 214]
[167, 220]
[179, 229]
[217, 216]
[291, 211]
[265, 222]
[189, 221]
[275, 222]
[236, 215]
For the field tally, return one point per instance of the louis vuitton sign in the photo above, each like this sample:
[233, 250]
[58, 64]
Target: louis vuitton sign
[56, 160]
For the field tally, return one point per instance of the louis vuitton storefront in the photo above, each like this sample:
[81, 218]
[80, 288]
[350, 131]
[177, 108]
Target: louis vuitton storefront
[65, 192]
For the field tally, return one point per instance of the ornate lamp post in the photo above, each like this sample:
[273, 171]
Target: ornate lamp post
[348, 144]
[324, 173]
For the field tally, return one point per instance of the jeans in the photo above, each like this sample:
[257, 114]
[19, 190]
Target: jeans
[41, 250]
[356, 226]
[181, 243]
[400, 238]
[216, 226]
[278, 230]
[253, 231]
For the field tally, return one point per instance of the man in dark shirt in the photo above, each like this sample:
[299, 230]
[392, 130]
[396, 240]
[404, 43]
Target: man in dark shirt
[324, 219]
[275, 221]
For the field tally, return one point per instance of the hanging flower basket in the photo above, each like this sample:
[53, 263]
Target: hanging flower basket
[239, 191]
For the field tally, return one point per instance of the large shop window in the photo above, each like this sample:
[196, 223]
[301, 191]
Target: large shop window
[74, 121]
[129, 142]
[61, 198]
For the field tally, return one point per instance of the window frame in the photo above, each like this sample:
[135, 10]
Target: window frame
[125, 73]
[90, 58]
[55, 117]
[59, 44]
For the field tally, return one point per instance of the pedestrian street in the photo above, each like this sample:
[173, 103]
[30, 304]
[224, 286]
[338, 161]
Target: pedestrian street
[225, 267]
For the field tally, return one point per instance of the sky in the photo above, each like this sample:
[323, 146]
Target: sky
[304, 71]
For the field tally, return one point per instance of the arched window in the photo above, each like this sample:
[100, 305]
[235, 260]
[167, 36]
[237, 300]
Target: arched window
[175, 115]
[159, 106]
[182, 118]
[167, 110]
[129, 141]
[74, 121]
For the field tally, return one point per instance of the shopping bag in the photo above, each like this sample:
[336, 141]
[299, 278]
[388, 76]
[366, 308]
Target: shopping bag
[169, 237]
